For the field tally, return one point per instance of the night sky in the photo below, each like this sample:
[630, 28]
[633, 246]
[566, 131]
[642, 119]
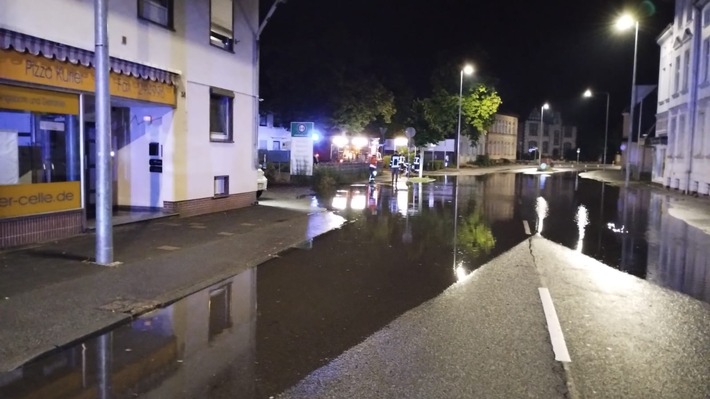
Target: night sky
[536, 51]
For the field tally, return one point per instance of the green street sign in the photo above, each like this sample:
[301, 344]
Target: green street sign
[301, 129]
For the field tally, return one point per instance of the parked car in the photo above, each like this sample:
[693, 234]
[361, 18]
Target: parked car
[261, 182]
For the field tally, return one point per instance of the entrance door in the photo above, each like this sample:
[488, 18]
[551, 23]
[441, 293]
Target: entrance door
[90, 185]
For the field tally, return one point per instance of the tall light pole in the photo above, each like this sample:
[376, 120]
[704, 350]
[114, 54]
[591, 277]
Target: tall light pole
[588, 93]
[542, 132]
[624, 22]
[468, 70]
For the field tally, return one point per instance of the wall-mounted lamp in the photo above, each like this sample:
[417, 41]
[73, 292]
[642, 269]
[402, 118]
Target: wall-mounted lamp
[147, 119]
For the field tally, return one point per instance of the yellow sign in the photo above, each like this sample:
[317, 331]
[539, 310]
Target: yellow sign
[24, 99]
[28, 68]
[29, 199]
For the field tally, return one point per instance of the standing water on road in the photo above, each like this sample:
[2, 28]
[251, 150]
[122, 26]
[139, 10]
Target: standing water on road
[260, 332]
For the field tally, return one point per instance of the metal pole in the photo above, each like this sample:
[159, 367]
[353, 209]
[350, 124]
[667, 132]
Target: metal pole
[606, 129]
[631, 110]
[458, 130]
[542, 134]
[104, 195]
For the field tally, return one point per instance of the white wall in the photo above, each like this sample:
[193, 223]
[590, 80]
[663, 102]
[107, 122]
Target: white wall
[191, 161]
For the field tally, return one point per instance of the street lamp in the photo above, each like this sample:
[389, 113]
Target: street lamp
[624, 22]
[542, 131]
[468, 70]
[588, 93]
[578, 156]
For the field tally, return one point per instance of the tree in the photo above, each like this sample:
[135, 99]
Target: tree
[331, 81]
[478, 111]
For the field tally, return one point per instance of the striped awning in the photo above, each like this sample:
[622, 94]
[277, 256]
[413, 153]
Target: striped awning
[53, 50]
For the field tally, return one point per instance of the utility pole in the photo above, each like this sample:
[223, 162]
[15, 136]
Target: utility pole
[104, 195]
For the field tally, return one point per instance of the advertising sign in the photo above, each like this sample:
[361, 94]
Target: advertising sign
[302, 148]
[29, 199]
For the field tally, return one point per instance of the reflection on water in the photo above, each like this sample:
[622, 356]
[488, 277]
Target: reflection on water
[399, 249]
[629, 229]
[201, 343]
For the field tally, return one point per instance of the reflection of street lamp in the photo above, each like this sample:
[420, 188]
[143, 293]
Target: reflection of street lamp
[588, 93]
[542, 130]
[624, 22]
[468, 70]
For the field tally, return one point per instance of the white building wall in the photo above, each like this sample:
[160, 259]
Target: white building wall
[684, 100]
[190, 160]
[502, 137]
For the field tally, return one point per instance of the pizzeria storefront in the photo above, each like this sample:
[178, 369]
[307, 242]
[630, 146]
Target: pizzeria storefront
[47, 132]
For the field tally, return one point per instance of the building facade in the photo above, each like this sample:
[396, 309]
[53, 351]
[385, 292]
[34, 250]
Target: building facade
[183, 111]
[501, 138]
[555, 139]
[681, 159]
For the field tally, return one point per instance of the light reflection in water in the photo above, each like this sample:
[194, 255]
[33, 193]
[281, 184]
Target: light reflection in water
[582, 219]
[541, 210]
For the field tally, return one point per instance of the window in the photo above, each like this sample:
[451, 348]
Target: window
[706, 60]
[276, 146]
[220, 305]
[546, 131]
[533, 129]
[706, 16]
[557, 137]
[221, 111]
[156, 11]
[221, 186]
[222, 24]
[262, 120]
[686, 71]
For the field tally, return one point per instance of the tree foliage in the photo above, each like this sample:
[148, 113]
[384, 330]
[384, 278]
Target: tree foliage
[331, 81]
[478, 111]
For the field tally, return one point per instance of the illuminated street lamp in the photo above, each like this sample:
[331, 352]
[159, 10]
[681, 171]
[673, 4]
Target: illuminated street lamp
[625, 22]
[588, 93]
[542, 131]
[468, 70]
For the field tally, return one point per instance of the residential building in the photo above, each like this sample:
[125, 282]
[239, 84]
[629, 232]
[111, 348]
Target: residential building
[681, 158]
[555, 140]
[501, 138]
[183, 111]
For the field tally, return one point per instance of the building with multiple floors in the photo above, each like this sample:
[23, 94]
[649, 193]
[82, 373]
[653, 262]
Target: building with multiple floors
[681, 157]
[554, 139]
[498, 142]
[501, 138]
[183, 87]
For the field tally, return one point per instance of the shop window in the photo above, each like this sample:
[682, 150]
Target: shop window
[156, 11]
[221, 115]
[222, 24]
[38, 148]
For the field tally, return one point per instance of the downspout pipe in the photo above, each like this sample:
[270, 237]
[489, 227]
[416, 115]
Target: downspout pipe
[693, 101]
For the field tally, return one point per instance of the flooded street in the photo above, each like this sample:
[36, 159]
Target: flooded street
[262, 331]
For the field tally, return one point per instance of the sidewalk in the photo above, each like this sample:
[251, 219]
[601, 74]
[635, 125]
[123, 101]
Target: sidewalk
[50, 295]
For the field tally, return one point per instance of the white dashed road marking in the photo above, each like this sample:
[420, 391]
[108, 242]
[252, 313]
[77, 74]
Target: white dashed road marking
[553, 326]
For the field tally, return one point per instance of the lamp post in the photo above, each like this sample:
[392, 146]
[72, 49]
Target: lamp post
[468, 70]
[588, 93]
[624, 22]
[578, 156]
[542, 131]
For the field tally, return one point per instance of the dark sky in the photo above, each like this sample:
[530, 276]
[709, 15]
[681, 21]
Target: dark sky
[545, 50]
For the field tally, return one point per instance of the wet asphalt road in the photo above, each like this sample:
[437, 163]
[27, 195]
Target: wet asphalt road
[261, 332]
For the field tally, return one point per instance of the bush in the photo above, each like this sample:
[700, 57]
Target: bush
[483, 160]
[506, 161]
[386, 161]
